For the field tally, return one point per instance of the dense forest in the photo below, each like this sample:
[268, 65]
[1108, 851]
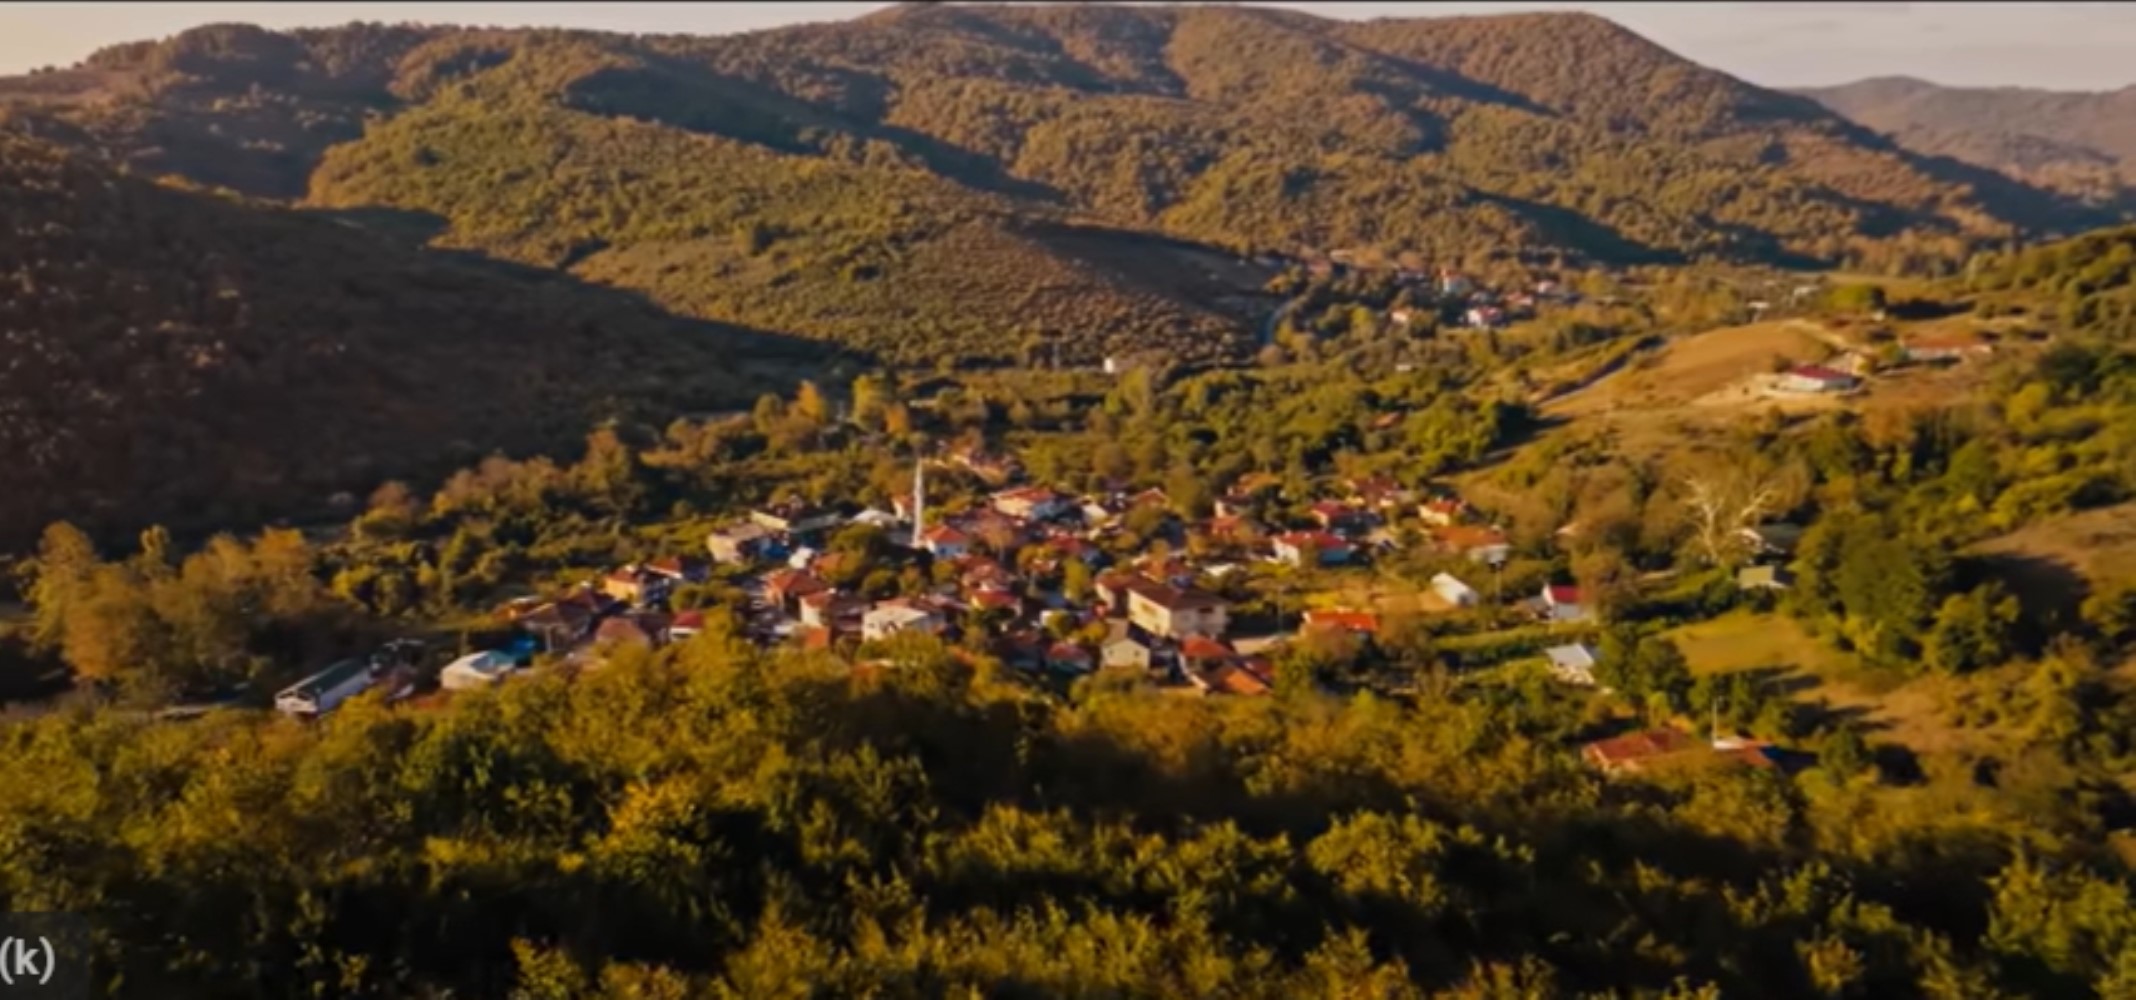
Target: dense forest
[712, 822]
[866, 181]
[200, 360]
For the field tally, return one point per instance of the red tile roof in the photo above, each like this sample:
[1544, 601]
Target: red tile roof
[995, 599]
[1353, 621]
[795, 583]
[942, 533]
[1561, 594]
[1313, 540]
[1639, 746]
[1234, 680]
[1469, 536]
[1201, 647]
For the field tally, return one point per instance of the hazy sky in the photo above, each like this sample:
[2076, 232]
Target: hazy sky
[2058, 45]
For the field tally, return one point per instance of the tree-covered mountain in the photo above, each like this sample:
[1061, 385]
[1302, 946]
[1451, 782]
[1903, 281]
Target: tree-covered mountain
[196, 359]
[930, 185]
[808, 177]
[2079, 143]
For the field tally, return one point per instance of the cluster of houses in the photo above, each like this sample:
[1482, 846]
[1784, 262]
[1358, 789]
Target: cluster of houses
[1448, 293]
[987, 562]
[626, 604]
[999, 573]
[1147, 614]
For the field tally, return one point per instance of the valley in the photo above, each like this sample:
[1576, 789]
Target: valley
[1059, 500]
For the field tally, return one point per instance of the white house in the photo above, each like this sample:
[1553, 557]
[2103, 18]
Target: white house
[1032, 503]
[326, 690]
[1816, 379]
[1174, 612]
[1453, 591]
[888, 618]
[476, 670]
[1573, 664]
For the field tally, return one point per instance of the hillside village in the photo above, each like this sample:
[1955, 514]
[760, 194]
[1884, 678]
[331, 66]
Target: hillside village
[1022, 572]
[991, 560]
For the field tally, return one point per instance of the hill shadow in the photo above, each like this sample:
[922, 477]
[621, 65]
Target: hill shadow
[2005, 197]
[1573, 230]
[685, 96]
[2049, 590]
[413, 230]
[363, 356]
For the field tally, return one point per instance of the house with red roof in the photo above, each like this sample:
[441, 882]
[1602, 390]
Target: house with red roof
[833, 610]
[1480, 543]
[785, 588]
[685, 625]
[1201, 649]
[677, 569]
[1562, 604]
[1069, 658]
[1311, 548]
[1656, 749]
[945, 542]
[1343, 619]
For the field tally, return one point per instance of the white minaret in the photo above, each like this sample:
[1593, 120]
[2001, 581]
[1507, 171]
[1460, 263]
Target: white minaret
[919, 499]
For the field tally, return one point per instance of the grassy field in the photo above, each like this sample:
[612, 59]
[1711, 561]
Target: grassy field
[2100, 544]
[1691, 367]
[1745, 640]
[1913, 713]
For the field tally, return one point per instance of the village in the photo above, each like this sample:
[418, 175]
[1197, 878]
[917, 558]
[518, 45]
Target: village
[1022, 573]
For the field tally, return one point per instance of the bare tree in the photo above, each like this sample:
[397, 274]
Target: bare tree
[1719, 509]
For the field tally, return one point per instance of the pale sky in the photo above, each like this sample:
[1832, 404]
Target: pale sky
[2079, 46]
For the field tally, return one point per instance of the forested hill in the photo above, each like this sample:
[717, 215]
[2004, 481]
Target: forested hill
[188, 358]
[2080, 143]
[639, 159]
